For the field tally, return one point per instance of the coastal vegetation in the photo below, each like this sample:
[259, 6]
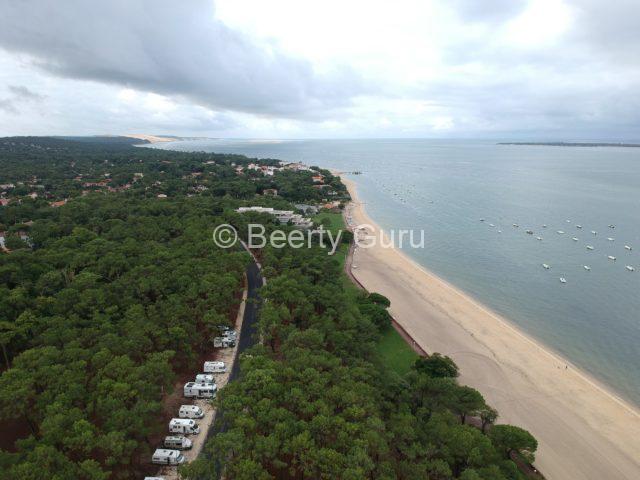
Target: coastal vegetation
[110, 286]
[317, 397]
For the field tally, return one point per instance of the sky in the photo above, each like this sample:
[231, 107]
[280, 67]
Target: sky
[521, 69]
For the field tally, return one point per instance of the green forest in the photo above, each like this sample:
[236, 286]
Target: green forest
[110, 286]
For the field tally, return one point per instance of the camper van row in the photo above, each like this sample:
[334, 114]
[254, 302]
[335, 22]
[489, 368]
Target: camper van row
[203, 387]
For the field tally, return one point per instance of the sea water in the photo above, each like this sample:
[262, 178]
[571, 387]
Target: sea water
[446, 187]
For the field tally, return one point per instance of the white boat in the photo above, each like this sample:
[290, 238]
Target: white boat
[612, 226]
[491, 225]
[587, 268]
[563, 280]
[546, 267]
[544, 226]
[568, 221]
[575, 239]
[628, 247]
[611, 257]
[630, 268]
[594, 232]
[578, 226]
[610, 239]
[516, 225]
[499, 231]
[560, 232]
[589, 247]
[538, 238]
[530, 232]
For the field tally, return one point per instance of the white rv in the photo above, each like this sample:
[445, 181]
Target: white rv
[183, 425]
[231, 334]
[224, 342]
[177, 442]
[190, 411]
[214, 367]
[198, 390]
[205, 378]
[163, 456]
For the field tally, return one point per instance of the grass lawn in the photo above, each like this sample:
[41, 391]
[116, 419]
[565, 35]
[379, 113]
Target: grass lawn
[395, 352]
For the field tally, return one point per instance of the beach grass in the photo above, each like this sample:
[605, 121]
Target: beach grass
[395, 352]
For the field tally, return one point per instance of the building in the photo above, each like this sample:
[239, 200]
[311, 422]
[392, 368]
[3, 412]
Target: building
[59, 203]
[307, 209]
[297, 167]
[273, 192]
[283, 216]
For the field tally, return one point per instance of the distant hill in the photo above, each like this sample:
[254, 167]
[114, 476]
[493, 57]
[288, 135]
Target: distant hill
[571, 144]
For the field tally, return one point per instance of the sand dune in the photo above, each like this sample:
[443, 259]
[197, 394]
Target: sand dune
[584, 431]
[150, 138]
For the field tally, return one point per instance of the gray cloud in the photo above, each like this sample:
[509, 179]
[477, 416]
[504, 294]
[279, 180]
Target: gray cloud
[20, 92]
[19, 95]
[172, 48]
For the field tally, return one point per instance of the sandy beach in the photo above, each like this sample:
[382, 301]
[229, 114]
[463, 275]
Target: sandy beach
[584, 431]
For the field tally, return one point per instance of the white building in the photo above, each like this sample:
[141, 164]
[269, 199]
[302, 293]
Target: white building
[283, 216]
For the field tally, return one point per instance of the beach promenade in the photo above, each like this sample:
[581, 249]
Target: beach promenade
[584, 431]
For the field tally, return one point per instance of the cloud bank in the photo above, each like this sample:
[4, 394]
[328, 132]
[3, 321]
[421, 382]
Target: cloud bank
[547, 69]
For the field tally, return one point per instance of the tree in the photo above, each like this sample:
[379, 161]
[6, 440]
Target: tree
[437, 366]
[509, 439]
[466, 401]
[488, 416]
[8, 332]
[379, 299]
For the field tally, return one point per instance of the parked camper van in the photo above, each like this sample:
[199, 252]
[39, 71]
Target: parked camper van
[231, 334]
[183, 425]
[177, 442]
[190, 411]
[205, 378]
[214, 367]
[164, 456]
[153, 478]
[223, 342]
[198, 390]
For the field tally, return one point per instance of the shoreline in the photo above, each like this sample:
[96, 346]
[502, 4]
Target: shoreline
[583, 428]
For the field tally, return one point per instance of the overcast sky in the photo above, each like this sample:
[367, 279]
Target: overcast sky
[530, 69]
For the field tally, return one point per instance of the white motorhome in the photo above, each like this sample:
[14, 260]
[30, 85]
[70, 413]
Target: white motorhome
[198, 390]
[231, 334]
[190, 411]
[183, 425]
[205, 378]
[164, 456]
[153, 478]
[214, 367]
[177, 442]
[224, 342]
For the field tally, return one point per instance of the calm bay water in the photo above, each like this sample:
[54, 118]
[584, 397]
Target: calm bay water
[445, 187]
